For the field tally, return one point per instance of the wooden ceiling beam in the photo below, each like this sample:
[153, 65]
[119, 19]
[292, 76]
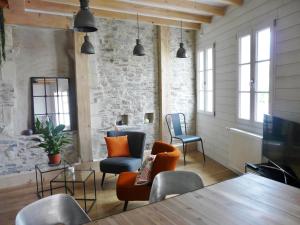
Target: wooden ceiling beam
[37, 20]
[38, 6]
[232, 2]
[131, 8]
[183, 5]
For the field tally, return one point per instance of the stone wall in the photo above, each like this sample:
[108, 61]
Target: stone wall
[122, 83]
[30, 52]
[183, 78]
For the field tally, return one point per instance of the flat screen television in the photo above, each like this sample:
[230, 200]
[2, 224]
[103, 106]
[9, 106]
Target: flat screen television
[281, 143]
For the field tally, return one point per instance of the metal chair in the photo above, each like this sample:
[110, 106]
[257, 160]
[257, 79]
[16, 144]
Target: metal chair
[55, 209]
[174, 182]
[175, 120]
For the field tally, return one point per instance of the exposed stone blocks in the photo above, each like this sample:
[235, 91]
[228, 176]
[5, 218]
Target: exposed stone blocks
[123, 83]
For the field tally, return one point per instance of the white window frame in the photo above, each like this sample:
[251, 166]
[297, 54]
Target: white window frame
[205, 72]
[253, 34]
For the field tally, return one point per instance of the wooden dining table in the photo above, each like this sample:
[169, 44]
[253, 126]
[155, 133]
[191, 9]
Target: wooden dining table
[248, 199]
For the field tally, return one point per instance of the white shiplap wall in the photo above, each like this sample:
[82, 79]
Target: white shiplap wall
[286, 68]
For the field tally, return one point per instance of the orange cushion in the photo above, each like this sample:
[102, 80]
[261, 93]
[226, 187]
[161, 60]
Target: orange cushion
[127, 191]
[117, 146]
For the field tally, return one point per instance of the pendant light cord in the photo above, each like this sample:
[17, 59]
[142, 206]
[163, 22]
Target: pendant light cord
[138, 25]
[181, 31]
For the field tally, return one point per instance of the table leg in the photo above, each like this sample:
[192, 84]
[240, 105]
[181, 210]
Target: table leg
[42, 184]
[95, 185]
[51, 187]
[37, 183]
[84, 196]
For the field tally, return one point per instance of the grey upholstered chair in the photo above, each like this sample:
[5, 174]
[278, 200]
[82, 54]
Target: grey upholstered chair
[174, 182]
[176, 121]
[55, 209]
[117, 165]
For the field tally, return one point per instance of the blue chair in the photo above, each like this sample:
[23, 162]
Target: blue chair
[174, 121]
[117, 165]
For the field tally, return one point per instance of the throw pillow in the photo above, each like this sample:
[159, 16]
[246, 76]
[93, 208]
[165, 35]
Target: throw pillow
[117, 146]
[144, 174]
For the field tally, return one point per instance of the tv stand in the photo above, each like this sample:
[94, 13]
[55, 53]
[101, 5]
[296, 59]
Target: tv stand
[273, 171]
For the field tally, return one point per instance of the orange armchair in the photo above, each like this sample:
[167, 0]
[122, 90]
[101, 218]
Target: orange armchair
[166, 159]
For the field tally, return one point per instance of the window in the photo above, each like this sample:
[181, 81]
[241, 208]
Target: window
[50, 100]
[254, 75]
[206, 80]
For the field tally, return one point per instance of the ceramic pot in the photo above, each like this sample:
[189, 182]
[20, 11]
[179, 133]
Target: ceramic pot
[54, 159]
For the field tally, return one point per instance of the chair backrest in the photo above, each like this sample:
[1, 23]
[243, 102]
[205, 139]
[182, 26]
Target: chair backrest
[166, 158]
[174, 121]
[136, 141]
[55, 209]
[174, 182]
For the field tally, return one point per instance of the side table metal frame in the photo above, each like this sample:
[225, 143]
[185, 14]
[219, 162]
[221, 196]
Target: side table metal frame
[40, 188]
[85, 199]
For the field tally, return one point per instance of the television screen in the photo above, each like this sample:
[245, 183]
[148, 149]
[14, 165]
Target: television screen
[281, 142]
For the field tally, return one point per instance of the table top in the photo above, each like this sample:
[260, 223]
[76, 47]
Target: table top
[248, 199]
[76, 176]
[46, 167]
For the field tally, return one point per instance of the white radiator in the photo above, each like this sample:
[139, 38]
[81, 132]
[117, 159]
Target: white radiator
[243, 147]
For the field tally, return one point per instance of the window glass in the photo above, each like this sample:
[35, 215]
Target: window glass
[245, 49]
[263, 44]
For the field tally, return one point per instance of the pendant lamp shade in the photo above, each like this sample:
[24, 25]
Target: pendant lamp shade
[87, 47]
[181, 52]
[84, 20]
[138, 48]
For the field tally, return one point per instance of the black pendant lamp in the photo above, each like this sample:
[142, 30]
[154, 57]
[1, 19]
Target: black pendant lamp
[181, 52]
[84, 20]
[87, 47]
[138, 48]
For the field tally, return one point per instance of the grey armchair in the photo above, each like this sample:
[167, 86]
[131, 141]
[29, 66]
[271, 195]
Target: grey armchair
[117, 165]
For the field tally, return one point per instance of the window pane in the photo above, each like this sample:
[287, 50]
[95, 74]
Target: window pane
[63, 86]
[52, 105]
[209, 101]
[201, 61]
[201, 100]
[263, 44]
[244, 106]
[201, 80]
[38, 87]
[245, 77]
[209, 80]
[39, 105]
[245, 49]
[209, 59]
[51, 88]
[262, 106]
[263, 76]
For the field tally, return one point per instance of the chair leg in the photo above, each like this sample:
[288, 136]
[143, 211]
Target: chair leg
[171, 141]
[125, 206]
[203, 150]
[184, 152]
[103, 177]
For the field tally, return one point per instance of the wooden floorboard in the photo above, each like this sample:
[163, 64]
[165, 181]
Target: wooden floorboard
[14, 199]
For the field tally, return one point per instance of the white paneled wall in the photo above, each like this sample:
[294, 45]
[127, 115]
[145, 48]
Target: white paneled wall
[286, 68]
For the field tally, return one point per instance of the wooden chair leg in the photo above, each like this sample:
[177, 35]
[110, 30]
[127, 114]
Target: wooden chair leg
[203, 150]
[125, 206]
[103, 177]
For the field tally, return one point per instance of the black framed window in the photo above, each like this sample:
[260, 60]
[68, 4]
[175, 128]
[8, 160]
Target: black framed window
[51, 99]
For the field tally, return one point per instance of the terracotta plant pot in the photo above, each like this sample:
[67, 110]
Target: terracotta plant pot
[54, 159]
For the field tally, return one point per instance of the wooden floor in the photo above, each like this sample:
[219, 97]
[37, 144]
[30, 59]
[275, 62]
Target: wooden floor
[13, 199]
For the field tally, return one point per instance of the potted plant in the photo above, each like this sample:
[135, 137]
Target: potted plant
[52, 139]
